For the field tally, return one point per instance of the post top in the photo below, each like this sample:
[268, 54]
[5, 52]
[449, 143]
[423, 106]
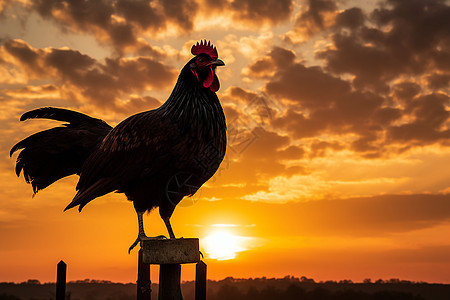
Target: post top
[170, 251]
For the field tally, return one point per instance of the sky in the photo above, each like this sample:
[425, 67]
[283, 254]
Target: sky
[338, 156]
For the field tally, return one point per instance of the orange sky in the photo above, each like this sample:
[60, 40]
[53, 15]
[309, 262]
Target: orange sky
[338, 134]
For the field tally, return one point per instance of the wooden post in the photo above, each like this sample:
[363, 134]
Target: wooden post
[61, 281]
[200, 281]
[169, 282]
[144, 285]
[170, 254]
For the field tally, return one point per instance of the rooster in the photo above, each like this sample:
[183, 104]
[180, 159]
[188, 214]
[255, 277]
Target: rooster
[154, 157]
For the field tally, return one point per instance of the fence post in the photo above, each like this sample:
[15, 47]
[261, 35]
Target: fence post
[144, 285]
[169, 282]
[200, 281]
[61, 281]
[169, 255]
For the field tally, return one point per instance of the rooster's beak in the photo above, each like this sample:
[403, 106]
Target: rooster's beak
[217, 62]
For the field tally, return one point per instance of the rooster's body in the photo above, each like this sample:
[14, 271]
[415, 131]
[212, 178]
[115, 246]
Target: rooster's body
[155, 157]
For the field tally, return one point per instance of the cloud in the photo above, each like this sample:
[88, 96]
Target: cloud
[314, 17]
[409, 38]
[320, 148]
[320, 103]
[350, 18]
[380, 89]
[309, 86]
[45, 91]
[257, 12]
[430, 116]
[119, 23]
[123, 23]
[438, 81]
[85, 79]
[3, 6]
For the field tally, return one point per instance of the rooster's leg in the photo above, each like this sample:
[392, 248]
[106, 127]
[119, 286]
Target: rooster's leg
[142, 236]
[169, 227]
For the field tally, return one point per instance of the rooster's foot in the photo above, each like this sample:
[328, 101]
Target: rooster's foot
[141, 238]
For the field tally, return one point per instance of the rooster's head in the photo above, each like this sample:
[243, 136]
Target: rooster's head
[203, 65]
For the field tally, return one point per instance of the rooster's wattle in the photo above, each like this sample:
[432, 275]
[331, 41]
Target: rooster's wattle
[155, 157]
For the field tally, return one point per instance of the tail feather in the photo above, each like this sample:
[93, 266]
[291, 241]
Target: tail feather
[52, 154]
[83, 197]
[61, 114]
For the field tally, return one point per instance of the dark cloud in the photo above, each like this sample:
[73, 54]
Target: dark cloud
[249, 12]
[180, 14]
[103, 84]
[372, 66]
[439, 81]
[257, 11]
[118, 22]
[396, 96]
[93, 17]
[140, 13]
[315, 10]
[122, 22]
[430, 115]
[321, 103]
[406, 90]
[315, 16]
[24, 53]
[265, 67]
[310, 86]
[350, 18]
[409, 38]
[3, 6]
[419, 25]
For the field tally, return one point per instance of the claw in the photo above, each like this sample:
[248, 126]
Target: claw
[141, 238]
[134, 245]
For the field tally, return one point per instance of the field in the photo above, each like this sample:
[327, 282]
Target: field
[236, 289]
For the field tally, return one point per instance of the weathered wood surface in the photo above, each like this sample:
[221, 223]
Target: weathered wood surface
[169, 282]
[143, 283]
[200, 281]
[170, 251]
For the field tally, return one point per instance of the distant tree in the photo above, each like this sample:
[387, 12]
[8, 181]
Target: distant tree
[253, 293]
[393, 295]
[351, 295]
[293, 292]
[8, 297]
[33, 281]
[227, 291]
[270, 292]
[306, 280]
[393, 281]
[320, 293]
[345, 281]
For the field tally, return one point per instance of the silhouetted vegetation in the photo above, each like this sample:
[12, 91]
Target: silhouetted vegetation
[8, 297]
[287, 288]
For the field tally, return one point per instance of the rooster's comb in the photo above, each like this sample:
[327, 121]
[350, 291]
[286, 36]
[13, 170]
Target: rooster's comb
[206, 48]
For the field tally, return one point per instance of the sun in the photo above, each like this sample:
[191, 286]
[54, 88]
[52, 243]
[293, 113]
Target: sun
[221, 244]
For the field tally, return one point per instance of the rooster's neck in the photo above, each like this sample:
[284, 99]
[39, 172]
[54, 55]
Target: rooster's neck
[192, 104]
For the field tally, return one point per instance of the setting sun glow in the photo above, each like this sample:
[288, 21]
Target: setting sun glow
[221, 244]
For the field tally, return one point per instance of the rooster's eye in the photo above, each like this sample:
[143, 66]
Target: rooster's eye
[200, 60]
